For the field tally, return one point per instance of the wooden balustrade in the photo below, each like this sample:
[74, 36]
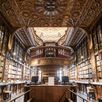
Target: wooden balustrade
[10, 88]
[51, 51]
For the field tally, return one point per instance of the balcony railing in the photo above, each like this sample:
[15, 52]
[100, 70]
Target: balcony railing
[52, 51]
[25, 94]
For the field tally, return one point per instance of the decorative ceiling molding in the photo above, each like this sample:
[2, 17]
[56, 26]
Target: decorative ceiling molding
[25, 37]
[37, 39]
[55, 13]
[51, 13]
[11, 12]
[73, 37]
[64, 39]
[78, 36]
[50, 34]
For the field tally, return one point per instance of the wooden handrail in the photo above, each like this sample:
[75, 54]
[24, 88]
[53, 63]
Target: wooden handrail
[13, 100]
[44, 47]
[60, 100]
[58, 51]
[87, 100]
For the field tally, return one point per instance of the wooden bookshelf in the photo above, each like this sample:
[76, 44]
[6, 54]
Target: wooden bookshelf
[84, 70]
[99, 66]
[27, 72]
[1, 67]
[97, 43]
[72, 72]
[13, 70]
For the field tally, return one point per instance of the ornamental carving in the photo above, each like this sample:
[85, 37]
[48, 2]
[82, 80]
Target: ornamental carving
[38, 13]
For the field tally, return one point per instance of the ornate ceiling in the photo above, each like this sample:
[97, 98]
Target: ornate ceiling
[25, 37]
[75, 35]
[50, 13]
[42, 13]
[49, 34]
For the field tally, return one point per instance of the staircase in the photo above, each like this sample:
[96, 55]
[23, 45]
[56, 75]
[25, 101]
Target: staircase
[65, 98]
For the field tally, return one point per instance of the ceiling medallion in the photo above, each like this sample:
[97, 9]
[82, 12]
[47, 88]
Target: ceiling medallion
[51, 7]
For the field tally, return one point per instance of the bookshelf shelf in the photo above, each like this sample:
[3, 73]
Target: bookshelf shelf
[1, 66]
[99, 65]
[13, 70]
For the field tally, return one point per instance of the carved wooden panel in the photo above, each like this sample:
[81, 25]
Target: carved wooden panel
[51, 12]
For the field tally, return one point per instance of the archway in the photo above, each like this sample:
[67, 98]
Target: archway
[11, 38]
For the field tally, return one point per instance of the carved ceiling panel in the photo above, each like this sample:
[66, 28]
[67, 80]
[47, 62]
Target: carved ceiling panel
[77, 38]
[93, 10]
[73, 12]
[40, 13]
[50, 34]
[25, 37]
[73, 37]
[12, 13]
